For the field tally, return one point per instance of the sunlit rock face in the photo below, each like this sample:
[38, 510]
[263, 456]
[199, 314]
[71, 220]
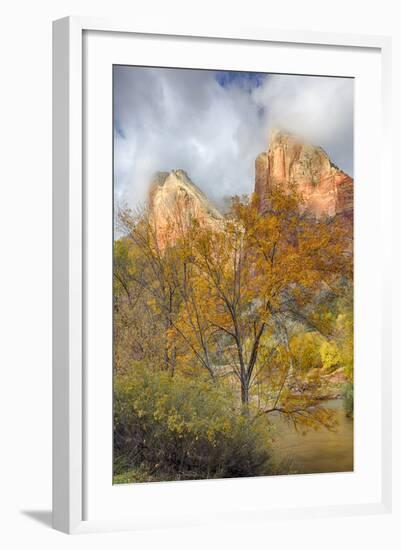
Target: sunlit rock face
[174, 202]
[324, 188]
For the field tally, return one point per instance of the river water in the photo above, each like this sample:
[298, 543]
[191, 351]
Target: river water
[317, 451]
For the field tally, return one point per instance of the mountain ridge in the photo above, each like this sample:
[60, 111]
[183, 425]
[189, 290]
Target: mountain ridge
[174, 200]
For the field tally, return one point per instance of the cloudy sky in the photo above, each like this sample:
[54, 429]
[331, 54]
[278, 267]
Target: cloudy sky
[213, 124]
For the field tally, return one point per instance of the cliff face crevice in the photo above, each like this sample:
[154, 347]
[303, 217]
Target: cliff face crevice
[324, 188]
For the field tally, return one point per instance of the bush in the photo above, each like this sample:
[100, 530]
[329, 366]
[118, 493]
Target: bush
[348, 397]
[183, 428]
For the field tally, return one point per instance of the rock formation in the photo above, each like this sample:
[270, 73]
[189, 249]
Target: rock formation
[324, 188]
[174, 202]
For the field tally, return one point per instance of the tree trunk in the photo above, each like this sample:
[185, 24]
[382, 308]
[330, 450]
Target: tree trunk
[245, 395]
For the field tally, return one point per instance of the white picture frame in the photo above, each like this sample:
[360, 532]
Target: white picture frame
[70, 256]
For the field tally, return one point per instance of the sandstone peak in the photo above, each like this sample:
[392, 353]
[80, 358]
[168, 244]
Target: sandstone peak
[174, 202]
[290, 160]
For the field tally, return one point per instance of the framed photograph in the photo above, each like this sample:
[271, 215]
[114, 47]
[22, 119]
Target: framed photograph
[220, 321]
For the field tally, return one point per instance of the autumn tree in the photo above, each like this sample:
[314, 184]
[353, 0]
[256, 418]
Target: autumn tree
[247, 285]
[145, 275]
[238, 299]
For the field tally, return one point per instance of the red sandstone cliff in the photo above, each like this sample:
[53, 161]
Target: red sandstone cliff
[174, 202]
[325, 189]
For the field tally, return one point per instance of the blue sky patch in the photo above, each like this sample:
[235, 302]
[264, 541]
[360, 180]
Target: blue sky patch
[243, 80]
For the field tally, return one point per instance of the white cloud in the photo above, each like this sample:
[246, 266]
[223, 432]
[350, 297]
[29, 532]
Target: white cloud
[318, 108]
[172, 118]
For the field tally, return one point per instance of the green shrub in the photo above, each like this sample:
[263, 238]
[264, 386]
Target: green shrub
[348, 397]
[183, 428]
